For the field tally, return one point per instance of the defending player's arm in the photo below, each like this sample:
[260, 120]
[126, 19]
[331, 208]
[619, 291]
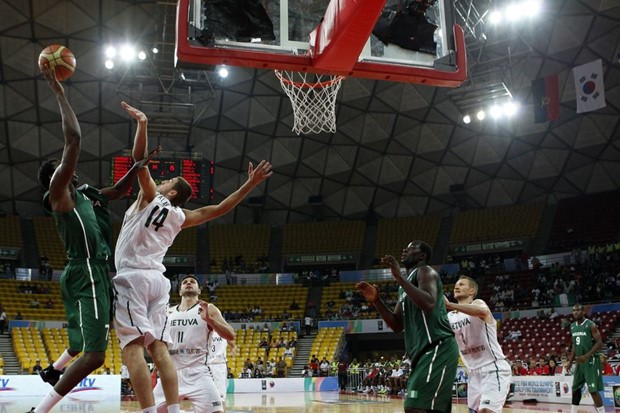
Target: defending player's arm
[60, 194]
[207, 213]
[148, 188]
[213, 316]
[394, 319]
[477, 308]
[598, 344]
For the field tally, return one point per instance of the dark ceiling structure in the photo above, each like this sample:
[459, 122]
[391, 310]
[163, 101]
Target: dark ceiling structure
[400, 149]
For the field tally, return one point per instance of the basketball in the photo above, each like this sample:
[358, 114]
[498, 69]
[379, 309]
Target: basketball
[60, 58]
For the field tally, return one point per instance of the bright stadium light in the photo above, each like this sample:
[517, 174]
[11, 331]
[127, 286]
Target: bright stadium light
[480, 115]
[223, 72]
[532, 7]
[109, 64]
[510, 108]
[495, 17]
[155, 50]
[110, 52]
[142, 55]
[495, 111]
[127, 52]
[466, 119]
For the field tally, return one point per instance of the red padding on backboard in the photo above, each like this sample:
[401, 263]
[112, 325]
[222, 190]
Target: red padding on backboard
[338, 40]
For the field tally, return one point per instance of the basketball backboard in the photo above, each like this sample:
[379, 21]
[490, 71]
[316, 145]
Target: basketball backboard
[318, 36]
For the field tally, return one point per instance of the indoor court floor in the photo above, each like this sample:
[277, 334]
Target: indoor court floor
[344, 403]
[281, 403]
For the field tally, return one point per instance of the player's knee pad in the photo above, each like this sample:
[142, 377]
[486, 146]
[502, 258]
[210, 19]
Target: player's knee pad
[576, 397]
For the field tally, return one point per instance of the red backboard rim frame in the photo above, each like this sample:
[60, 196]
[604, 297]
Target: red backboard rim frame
[189, 55]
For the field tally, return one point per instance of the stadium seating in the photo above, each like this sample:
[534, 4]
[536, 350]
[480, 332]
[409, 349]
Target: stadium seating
[10, 231]
[324, 237]
[328, 343]
[542, 336]
[229, 241]
[248, 341]
[497, 224]
[587, 220]
[49, 243]
[393, 235]
[14, 301]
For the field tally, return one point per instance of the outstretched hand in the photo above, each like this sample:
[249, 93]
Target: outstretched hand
[133, 112]
[49, 74]
[370, 292]
[260, 173]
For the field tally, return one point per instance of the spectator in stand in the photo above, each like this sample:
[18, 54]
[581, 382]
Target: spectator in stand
[553, 367]
[35, 303]
[49, 304]
[281, 368]
[606, 368]
[288, 352]
[37, 367]
[19, 316]
[314, 365]
[306, 372]
[293, 342]
[263, 343]
[324, 367]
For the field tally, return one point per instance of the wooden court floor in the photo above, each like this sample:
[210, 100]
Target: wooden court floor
[342, 403]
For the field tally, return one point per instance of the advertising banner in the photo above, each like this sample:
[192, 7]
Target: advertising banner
[282, 385]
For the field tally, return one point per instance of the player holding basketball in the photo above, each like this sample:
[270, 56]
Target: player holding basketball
[476, 334]
[429, 341]
[192, 325]
[83, 220]
[142, 291]
[586, 342]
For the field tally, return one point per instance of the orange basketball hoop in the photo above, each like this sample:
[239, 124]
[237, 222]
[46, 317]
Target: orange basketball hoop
[313, 97]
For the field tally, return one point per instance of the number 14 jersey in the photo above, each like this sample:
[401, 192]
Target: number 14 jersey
[147, 234]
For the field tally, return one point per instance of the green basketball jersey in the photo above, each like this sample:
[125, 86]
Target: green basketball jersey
[85, 230]
[423, 329]
[582, 336]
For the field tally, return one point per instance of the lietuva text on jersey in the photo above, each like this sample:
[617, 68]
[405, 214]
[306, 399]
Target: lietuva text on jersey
[461, 323]
[184, 323]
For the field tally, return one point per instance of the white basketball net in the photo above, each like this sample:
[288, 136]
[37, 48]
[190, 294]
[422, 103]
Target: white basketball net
[314, 100]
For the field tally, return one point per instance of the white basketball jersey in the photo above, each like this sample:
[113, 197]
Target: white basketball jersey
[146, 235]
[217, 349]
[190, 334]
[477, 340]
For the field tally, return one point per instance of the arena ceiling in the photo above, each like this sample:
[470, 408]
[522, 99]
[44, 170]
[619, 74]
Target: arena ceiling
[398, 150]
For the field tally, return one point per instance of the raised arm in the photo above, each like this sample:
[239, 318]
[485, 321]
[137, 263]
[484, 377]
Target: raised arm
[424, 295]
[477, 308]
[148, 189]
[207, 213]
[213, 316]
[60, 193]
[394, 319]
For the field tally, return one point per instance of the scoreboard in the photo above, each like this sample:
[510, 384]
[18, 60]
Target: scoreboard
[197, 172]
